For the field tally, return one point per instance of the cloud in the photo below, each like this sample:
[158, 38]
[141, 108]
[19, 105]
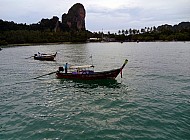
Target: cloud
[137, 15]
[106, 14]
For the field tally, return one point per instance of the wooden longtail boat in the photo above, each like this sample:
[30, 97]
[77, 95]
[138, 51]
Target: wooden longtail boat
[81, 73]
[46, 57]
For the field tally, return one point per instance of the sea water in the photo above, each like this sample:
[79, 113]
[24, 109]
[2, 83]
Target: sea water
[151, 101]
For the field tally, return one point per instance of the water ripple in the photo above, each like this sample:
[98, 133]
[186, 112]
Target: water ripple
[151, 101]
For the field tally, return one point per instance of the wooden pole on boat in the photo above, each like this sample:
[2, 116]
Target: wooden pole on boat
[123, 67]
[29, 57]
[91, 60]
[121, 73]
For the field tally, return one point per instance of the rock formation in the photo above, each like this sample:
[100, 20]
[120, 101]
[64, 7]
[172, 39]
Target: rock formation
[75, 18]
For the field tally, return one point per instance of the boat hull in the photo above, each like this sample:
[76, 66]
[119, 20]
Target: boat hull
[112, 74]
[49, 58]
[45, 57]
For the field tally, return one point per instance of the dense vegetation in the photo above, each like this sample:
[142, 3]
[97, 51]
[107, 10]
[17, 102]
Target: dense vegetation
[44, 32]
[180, 32]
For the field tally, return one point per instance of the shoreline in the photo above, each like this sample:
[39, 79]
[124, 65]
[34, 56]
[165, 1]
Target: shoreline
[58, 43]
[33, 44]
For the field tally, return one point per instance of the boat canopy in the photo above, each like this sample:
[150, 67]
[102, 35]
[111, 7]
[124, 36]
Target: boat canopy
[81, 67]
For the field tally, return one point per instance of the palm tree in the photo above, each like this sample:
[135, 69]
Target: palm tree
[148, 29]
[142, 30]
[154, 29]
[126, 32]
[119, 32]
[123, 32]
[145, 29]
[134, 31]
[138, 31]
[130, 31]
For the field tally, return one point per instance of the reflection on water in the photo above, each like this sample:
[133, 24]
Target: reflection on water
[108, 83]
[74, 53]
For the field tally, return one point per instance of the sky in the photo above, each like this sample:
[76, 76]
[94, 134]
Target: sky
[101, 15]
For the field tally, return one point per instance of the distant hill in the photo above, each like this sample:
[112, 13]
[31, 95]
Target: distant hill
[179, 27]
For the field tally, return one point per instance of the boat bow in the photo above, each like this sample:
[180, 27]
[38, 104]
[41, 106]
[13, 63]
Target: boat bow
[123, 67]
[124, 64]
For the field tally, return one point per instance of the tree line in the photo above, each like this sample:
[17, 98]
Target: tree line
[180, 32]
[42, 32]
[45, 31]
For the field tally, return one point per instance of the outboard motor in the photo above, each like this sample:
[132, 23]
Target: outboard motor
[61, 69]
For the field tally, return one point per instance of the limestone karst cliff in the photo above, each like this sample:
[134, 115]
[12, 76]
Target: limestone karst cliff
[75, 18]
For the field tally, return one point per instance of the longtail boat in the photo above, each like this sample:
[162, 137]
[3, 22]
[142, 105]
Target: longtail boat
[84, 73]
[46, 57]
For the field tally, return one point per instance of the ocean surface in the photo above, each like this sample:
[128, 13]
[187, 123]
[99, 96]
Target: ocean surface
[151, 100]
